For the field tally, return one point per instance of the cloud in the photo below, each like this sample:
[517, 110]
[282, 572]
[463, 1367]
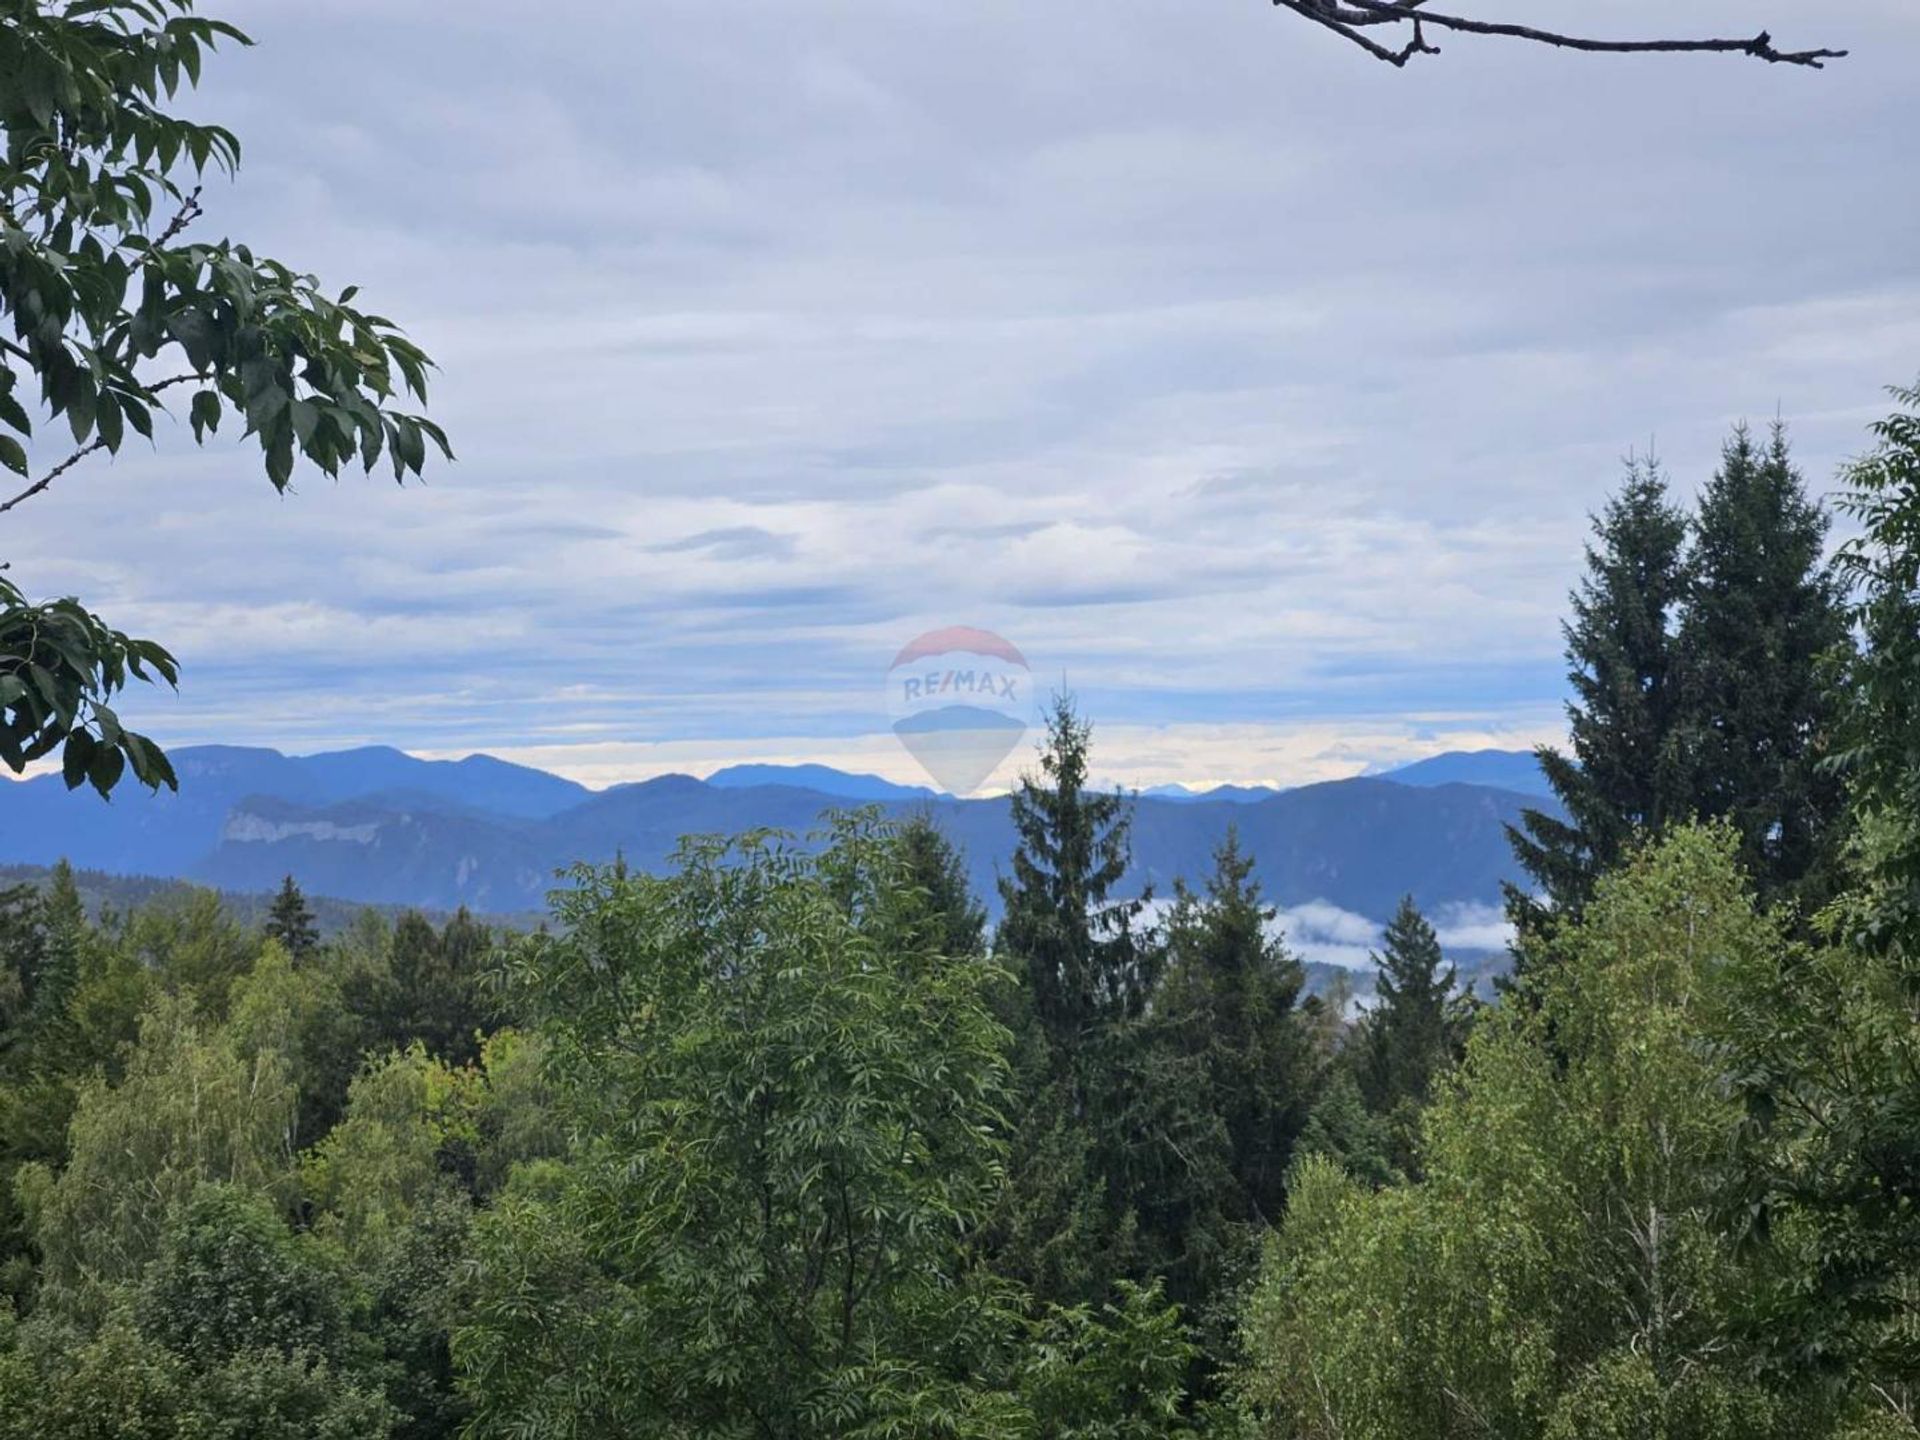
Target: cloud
[1474, 927]
[733, 542]
[1256, 392]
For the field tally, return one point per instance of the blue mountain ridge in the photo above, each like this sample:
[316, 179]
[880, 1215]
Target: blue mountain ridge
[379, 826]
[821, 778]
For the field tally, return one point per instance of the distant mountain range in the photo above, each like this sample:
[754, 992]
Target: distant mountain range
[821, 778]
[1515, 770]
[377, 825]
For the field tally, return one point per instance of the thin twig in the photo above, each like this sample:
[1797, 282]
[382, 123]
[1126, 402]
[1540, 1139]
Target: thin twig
[54, 474]
[189, 212]
[74, 459]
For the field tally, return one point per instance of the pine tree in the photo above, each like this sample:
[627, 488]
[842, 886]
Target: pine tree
[1627, 772]
[64, 924]
[1764, 616]
[1409, 1037]
[438, 992]
[291, 923]
[934, 874]
[23, 956]
[1077, 945]
[1231, 997]
[1103, 1116]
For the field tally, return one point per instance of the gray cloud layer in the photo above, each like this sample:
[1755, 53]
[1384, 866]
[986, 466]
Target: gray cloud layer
[1241, 381]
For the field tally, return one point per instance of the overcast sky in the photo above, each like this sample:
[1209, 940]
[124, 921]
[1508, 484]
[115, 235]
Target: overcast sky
[1256, 390]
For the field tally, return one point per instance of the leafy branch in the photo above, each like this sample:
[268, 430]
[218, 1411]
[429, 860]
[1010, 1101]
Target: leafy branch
[100, 290]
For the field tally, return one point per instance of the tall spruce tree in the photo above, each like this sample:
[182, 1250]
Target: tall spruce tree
[1077, 945]
[23, 958]
[1628, 770]
[290, 921]
[1410, 1035]
[1764, 617]
[64, 923]
[1230, 1000]
[1103, 1117]
[439, 994]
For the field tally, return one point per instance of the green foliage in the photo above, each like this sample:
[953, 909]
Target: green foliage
[1101, 1107]
[407, 1117]
[1414, 1031]
[786, 1115]
[195, 948]
[60, 665]
[935, 881]
[439, 994]
[1345, 1133]
[1117, 1376]
[1881, 744]
[1563, 1268]
[1230, 997]
[189, 1109]
[98, 183]
[1702, 675]
[118, 1384]
[230, 1277]
[1763, 620]
[1083, 960]
[1407, 1035]
[290, 922]
[1628, 771]
[1824, 1051]
[299, 1015]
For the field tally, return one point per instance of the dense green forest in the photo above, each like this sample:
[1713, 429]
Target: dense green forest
[785, 1142]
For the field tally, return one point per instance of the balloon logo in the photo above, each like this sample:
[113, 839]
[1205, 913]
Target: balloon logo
[959, 701]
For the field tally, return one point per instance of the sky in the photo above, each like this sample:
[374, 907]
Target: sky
[1259, 393]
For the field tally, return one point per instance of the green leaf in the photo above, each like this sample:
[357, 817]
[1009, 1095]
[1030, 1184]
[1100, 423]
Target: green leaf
[14, 415]
[80, 408]
[110, 422]
[12, 455]
[280, 462]
[77, 758]
[205, 414]
[106, 768]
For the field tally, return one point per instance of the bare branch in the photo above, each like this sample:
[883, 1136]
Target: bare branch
[1349, 19]
[97, 444]
[172, 380]
[54, 474]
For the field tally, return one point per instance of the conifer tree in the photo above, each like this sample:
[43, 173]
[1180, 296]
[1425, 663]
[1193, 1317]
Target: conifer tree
[1627, 771]
[1103, 1115]
[1764, 617]
[935, 878]
[64, 924]
[1230, 997]
[23, 951]
[1076, 943]
[1409, 1035]
[290, 921]
[439, 996]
